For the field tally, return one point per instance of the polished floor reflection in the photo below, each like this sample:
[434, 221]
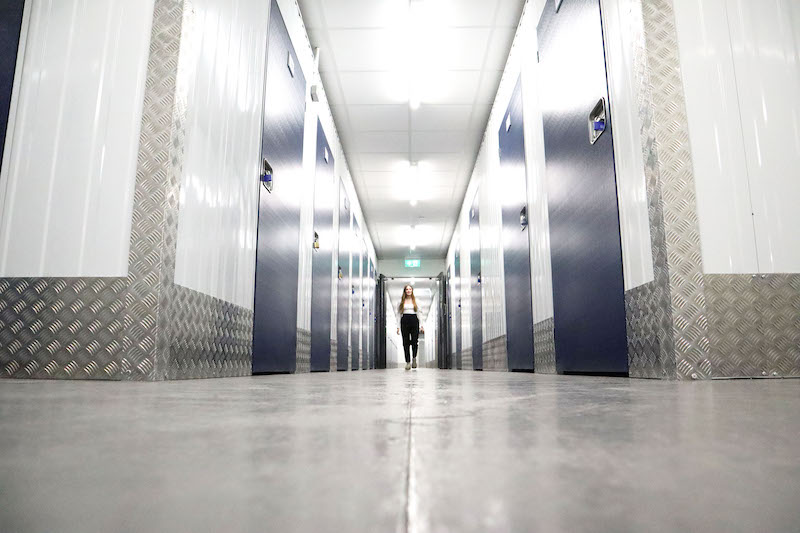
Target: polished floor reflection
[428, 450]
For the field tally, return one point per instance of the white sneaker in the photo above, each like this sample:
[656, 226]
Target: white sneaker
[414, 364]
[408, 366]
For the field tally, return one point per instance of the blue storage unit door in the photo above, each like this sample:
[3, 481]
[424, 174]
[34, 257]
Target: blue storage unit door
[516, 246]
[343, 283]
[365, 291]
[588, 291]
[457, 308]
[355, 298]
[10, 27]
[322, 256]
[476, 304]
[277, 253]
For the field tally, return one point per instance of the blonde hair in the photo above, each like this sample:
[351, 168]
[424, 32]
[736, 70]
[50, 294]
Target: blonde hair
[403, 299]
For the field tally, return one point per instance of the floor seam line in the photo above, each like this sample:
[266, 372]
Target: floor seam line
[408, 462]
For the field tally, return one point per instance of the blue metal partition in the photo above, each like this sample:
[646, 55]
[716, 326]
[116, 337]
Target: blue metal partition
[10, 27]
[355, 297]
[322, 258]
[343, 283]
[476, 303]
[516, 246]
[277, 253]
[588, 291]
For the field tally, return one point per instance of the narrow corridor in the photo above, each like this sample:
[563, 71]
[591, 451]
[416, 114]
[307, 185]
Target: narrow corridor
[377, 451]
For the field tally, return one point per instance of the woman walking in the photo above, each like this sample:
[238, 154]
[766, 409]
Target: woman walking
[409, 324]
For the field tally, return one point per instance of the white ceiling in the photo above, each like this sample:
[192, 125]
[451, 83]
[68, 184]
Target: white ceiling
[375, 54]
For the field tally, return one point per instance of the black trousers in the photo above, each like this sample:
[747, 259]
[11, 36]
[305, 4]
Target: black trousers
[409, 329]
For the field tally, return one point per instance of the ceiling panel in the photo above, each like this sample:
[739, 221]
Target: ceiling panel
[451, 87]
[380, 117]
[374, 88]
[441, 117]
[363, 13]
[381, 141]
[375, 54]
[438, 141]
[459, 48]
[364, 49]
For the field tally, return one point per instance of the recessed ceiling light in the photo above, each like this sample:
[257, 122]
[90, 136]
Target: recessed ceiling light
[413, 203]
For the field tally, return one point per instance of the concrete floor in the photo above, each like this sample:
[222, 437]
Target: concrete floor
[378, 451]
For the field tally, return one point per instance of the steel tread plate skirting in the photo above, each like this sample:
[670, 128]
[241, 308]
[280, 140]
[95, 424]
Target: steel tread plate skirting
[675, 181]
[544, 347]
[495, 355]
[303, 351]
[754, 324]
[466, 359]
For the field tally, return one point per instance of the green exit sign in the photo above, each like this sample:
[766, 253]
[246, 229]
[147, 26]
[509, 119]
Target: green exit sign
[412, 263]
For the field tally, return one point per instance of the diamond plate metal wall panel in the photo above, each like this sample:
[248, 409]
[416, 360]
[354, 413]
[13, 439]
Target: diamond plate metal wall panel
[544, 347]
[754, 324]
[466, 359]
[303, 351]
[67, 328]
[334, 350]
[684, 321]
[209, 337]
[642, 309]
[495, 356]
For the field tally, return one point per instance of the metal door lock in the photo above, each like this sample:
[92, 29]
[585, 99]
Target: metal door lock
[316, 241]
[523, 217]
[266, 175]
[597, 121]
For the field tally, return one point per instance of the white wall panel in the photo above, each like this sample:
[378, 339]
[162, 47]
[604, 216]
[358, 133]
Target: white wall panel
[223, 52]
[539, 226]
[466, 274]
[718, 153]
[306, 188]
[70, 166]
[623, 29]
[765, 41]
[492, 278]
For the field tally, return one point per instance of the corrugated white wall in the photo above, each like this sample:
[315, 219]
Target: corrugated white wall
[492, 275]
[223, 54]
[740, 63]
[623, 26]
[69, 169]
[465, 287]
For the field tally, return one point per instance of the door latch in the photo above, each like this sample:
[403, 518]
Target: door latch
[266, 175]
[597, 121]
[523, 217]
